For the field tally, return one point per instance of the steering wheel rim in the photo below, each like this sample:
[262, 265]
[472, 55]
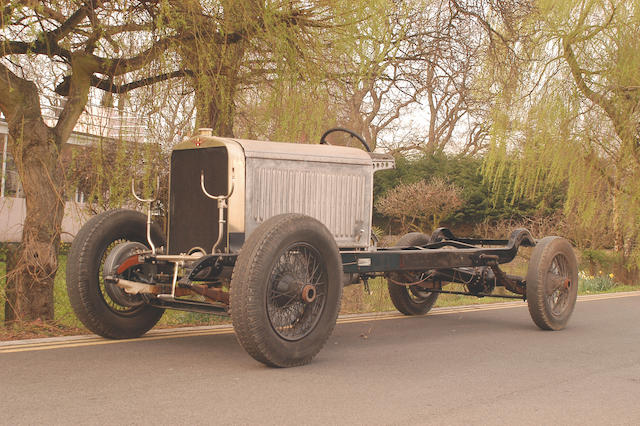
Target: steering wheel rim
[351, 133]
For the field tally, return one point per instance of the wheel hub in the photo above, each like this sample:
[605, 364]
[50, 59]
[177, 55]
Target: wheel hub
[114, 260]
[288, 288]
[309, 293]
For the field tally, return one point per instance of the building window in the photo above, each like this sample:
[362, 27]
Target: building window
[10, 184]
[79, 196]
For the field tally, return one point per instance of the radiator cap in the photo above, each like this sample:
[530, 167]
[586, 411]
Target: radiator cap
[205, 131]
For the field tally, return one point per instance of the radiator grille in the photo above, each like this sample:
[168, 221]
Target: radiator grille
[193, 218]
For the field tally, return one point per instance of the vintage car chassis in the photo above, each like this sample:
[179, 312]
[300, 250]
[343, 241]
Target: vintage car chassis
[286, 228]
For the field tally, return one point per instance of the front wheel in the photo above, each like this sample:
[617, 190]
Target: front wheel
[97, 250]
[552, 283]
[286, 290]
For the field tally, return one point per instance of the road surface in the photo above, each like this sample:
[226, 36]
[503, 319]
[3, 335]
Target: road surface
[483, 364]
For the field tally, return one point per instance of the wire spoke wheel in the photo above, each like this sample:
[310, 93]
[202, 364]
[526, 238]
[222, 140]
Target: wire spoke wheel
[552, 283]
[298, 269]
[286, 290]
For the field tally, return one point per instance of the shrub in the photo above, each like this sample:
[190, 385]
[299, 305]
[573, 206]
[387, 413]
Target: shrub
[421, 205]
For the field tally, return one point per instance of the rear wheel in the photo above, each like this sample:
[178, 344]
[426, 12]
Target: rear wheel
[99, 248]
[410, 299]
[286, 290]
[552, 283]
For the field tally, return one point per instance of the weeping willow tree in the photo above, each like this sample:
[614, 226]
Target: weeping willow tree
[257, 69]
[568, 111]
[262, 67]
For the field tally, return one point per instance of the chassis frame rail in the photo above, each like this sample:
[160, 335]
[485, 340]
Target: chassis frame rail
[440, 253]
[446, 259]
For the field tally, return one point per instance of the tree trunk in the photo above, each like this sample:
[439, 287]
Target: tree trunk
[219, 78]
[618, 240]
[35, 152]
[216, 107]
[216, 92]
[10, 294]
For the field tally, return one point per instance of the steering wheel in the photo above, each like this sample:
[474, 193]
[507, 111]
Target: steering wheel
[351, 133]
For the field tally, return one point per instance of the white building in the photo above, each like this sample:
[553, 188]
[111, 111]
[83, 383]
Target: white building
[96, 123]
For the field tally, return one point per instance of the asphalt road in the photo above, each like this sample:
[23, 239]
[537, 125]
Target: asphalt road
[487, 365]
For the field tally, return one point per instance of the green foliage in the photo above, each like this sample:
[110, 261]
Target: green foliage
[600, 260]
[596, 283]
[267, 70]
[377, 232]
[569, 119]
[482, 200]
[103, 173]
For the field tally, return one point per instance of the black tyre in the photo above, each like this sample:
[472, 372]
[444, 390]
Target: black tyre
[103, 242]
[552, 283]
[286, 290]
[410, 300]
